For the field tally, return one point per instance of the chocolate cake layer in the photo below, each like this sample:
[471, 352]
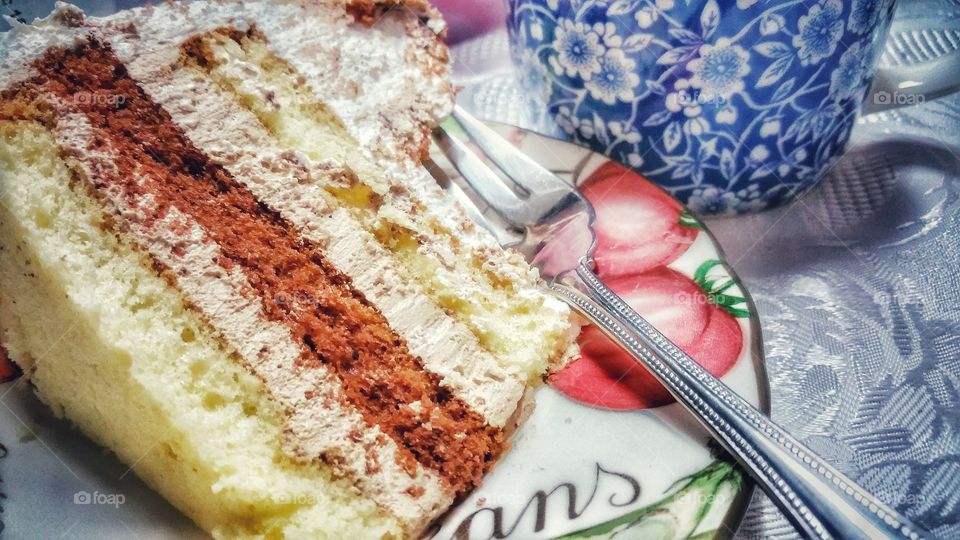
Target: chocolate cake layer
[298, 288]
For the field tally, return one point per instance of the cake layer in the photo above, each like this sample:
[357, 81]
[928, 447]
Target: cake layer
[269, 173]
[300, 191]
[388, 84]
[517, 328]
[389, 87]
[175, 201]
[110, 344]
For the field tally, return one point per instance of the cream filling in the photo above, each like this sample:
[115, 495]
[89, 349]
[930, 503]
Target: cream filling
[317, 428]
[231, 135]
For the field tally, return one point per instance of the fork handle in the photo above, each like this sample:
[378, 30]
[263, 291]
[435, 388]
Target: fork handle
[820, 501]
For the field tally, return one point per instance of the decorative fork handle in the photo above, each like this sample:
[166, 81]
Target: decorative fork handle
[819, 500]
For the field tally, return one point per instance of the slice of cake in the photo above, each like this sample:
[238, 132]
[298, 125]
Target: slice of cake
[221, 259]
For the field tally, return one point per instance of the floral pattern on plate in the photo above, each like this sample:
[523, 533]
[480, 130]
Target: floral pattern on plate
[8, 370]
[640, 230]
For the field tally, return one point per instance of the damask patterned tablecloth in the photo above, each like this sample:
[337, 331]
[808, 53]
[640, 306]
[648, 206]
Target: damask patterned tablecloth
[857, 286]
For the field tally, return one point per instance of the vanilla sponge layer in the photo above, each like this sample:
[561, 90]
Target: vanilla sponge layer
[110, 345]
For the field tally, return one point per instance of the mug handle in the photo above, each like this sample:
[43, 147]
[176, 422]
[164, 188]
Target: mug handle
[933, 79]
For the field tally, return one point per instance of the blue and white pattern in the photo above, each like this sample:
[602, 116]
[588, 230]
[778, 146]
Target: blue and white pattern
[863, 16]
[733, 106]
[849, 77]
[819, 31]
[616, 80]
[719, 69]
[578, 49]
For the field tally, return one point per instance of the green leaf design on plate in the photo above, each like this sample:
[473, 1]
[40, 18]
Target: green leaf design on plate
[717, 285]
[679, 514]
[687, 220]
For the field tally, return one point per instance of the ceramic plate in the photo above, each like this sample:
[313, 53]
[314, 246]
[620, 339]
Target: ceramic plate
[604, 454]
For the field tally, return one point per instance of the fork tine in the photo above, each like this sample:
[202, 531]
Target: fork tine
[503, 236]
[484, 181]
[525, 172]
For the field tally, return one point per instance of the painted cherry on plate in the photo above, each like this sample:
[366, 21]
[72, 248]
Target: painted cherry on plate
[605, 376]
[638, 225]
[8, 370]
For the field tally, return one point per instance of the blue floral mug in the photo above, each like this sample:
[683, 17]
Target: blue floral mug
[731, 105]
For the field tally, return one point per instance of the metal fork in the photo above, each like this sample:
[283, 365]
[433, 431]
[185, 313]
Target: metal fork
[548, 212]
